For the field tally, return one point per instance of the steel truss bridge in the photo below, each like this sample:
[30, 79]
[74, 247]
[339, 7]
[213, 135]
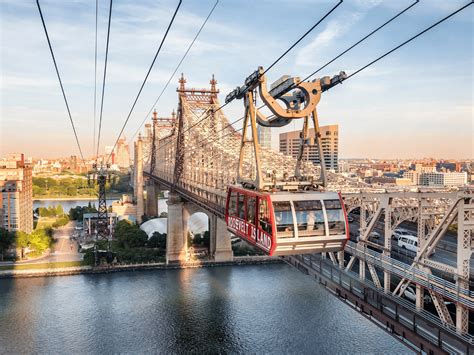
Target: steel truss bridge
[195, 159]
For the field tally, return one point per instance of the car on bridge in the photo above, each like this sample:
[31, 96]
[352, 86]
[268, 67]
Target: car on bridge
[397, 233]
[410, 294]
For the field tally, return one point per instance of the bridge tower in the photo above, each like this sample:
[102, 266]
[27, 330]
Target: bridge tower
[192, 104]
[139, 178]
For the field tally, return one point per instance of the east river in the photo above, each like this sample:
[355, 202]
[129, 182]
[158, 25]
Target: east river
[235, 309]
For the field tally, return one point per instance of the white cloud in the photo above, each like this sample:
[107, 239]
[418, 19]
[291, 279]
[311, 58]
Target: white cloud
[334, 29]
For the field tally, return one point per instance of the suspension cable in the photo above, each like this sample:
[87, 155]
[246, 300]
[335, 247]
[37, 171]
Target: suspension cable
[361, 40]
[303, 36]
[146, 77]
[409, 40]
[103, 82]
[372, 62]
[175, 70]
[95, 74]
[276, 61]
[60, 81]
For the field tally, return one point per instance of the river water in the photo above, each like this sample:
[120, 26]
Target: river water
[235, 309]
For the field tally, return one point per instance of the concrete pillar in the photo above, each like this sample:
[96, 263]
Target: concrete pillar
[135, 159]
[151, 199]
[220, 245]
[176, 239]
[139, 180]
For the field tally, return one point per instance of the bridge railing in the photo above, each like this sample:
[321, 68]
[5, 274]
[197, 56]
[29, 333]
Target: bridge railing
[439, 285]
[420, 322]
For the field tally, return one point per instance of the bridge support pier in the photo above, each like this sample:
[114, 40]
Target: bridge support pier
[151, 199]
[176, 239]
[139, 179]
[220, 245]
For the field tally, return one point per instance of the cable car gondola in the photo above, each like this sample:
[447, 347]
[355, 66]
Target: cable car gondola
[287, 223]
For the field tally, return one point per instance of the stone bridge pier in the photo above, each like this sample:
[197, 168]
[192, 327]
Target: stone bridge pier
[179, 212]
[151, 202]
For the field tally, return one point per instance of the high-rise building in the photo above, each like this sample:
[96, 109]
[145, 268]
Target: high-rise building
[16, 194]
[290, 143]
[122, 154]
[73, 166]
[265, 136]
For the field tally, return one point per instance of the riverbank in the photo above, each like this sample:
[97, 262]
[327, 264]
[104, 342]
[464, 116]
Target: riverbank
[18, 271]
[73, 198]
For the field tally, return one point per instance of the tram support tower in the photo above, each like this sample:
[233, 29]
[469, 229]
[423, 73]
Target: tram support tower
[103, 229]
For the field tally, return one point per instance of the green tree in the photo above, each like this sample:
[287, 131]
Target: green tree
[6, 241]
[206, 239]
[129, 235]
[59, 211]
[39, 240]
[157, 240]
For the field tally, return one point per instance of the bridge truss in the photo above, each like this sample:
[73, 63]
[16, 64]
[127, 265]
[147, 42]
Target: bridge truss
[197, 157]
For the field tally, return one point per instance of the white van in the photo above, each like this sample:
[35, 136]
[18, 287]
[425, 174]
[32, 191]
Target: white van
[408, 242]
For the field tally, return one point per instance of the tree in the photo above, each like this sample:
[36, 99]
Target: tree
[129, 235]
[206, 239]
[6, 240]
[21, 241]
[157, 240]
[59, 210]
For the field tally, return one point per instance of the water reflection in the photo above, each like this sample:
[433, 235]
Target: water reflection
[256, 309]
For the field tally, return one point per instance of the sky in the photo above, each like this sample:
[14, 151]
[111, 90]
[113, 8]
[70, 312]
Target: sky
[415, 103]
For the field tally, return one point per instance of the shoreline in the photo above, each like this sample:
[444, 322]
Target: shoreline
[72, 198]
[76, 270]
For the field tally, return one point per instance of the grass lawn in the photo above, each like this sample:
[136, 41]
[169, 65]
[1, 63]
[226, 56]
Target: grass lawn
[42, 265]
[44, 222]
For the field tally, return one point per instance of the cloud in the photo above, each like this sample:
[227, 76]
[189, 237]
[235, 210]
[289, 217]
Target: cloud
[334, 29]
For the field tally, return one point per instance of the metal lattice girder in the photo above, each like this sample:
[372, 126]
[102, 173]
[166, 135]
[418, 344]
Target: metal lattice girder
[375, 277]
[441, 308]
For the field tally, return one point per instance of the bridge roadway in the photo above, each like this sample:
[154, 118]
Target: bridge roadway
[213, 207]
[445, 251]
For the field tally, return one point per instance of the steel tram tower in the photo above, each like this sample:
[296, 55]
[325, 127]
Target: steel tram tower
[103, 229]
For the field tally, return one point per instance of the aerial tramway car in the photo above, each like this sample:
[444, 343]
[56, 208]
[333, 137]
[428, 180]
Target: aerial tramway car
[286, 223]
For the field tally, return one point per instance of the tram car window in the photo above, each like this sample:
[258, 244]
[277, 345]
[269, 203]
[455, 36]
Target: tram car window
[283, 218]
[241, 206]
[336, 218]
[309, 218]
[251, 205]
[264, 216]
[233, 203]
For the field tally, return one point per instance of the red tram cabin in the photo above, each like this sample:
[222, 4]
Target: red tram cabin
[288, 223]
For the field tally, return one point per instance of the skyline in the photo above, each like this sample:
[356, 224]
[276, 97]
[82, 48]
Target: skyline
[398, 108]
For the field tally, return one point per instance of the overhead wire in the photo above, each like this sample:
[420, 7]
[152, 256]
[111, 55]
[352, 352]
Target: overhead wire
[95, 74]
[332, 60]
[358, 42]
[409, 40]
[146, 77]
[276, 61]
[103, 81]
[302, 37]
[60, 81]
[175, 70]
[380, 57]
